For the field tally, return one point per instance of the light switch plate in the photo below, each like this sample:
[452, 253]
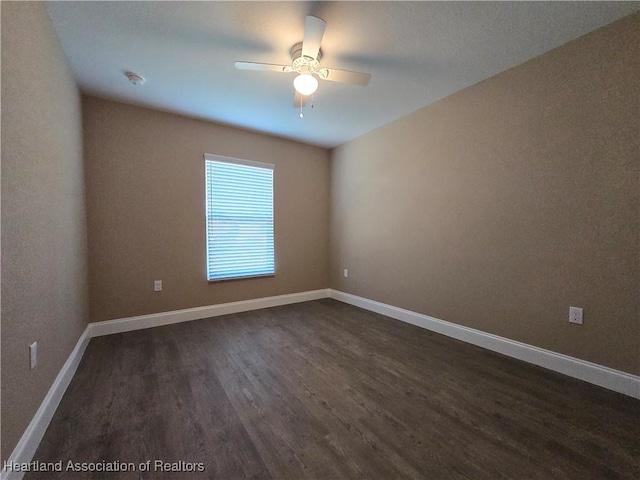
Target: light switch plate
[33, 355]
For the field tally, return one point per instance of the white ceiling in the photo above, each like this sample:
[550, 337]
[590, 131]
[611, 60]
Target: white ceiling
[417, 53]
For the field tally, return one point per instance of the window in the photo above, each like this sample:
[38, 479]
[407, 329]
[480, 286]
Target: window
[239, 196]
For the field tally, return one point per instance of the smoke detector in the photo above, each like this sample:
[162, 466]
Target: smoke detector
[135, 78]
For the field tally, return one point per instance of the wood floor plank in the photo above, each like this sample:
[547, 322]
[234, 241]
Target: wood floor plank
[324, 390]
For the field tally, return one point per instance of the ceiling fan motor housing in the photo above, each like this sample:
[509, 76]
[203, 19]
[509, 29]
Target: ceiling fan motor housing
[296, 52]
[306, 65]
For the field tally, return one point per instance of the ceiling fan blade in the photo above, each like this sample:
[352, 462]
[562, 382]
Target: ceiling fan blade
[345, 76]
[264, 67]
[313, 32]
[297, 98]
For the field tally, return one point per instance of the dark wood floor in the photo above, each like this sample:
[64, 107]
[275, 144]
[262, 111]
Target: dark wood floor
[323, 390]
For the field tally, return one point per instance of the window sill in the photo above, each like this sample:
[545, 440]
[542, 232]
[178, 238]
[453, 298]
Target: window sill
[234, 279]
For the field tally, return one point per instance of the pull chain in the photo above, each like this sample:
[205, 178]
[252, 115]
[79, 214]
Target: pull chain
[301, 115]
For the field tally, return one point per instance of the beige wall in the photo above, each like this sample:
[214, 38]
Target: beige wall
[146, 217]
[502, 205]
[44, 295]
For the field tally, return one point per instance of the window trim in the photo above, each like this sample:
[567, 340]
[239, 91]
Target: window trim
[238, 161]
[249, 163]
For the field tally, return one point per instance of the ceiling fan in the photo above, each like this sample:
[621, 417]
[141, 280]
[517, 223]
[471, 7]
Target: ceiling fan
[305, 61]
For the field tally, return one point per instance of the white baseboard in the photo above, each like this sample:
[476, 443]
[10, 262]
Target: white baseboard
[590, 372]
[120, 325]
[606, 377]
[28, 444]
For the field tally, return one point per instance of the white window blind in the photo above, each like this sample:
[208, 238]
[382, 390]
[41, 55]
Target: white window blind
[239, 200]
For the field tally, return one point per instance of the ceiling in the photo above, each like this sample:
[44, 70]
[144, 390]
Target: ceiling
[417, 53]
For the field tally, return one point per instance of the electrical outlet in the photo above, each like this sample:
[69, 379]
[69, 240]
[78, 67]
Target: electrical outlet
[575, 315]
[345, 273]
[157, 285]
[33, 355]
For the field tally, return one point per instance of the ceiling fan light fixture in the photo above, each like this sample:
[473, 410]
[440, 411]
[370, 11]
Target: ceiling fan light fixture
[305, 84]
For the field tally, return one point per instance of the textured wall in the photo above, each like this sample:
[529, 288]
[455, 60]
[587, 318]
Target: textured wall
[44, 295]
[502, 205]
[146, 214]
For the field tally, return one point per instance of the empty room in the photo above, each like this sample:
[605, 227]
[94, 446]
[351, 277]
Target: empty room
[320, 240]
